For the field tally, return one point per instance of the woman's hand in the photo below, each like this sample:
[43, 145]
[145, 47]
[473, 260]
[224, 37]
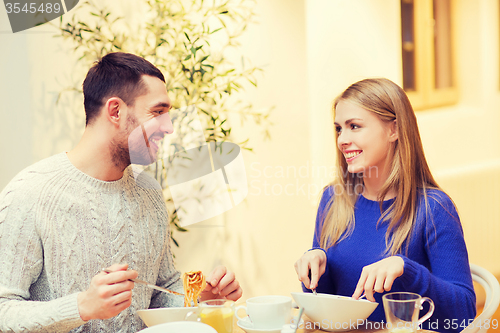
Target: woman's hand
[378, 277]
[313, 261]
[221, 283]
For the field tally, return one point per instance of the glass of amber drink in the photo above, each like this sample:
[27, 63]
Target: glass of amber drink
[218, 313]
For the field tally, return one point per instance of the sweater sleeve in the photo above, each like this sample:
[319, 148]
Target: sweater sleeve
[168, 277]
[21, 264]
[448, 280]
[325, 283]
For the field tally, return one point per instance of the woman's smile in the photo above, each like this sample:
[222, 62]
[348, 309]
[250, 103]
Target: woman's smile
[351, 155]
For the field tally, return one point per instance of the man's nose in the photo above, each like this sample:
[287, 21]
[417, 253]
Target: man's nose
[166, 125]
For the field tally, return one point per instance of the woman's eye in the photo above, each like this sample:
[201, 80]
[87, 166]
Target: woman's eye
[338, 129]
[354, 126]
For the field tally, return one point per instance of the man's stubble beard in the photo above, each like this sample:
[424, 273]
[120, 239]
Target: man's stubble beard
[120, 151]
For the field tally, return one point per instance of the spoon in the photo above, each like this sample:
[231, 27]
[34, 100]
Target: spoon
[313, 290]
[362, 296]
[298, 318]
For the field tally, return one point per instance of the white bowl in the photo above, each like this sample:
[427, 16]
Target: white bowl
[334, 313]
[180, 327]
[152, 317]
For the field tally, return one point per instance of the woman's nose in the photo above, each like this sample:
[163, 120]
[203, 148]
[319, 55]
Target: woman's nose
[342, 139]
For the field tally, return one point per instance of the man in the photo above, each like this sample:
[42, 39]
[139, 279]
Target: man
[67, 219]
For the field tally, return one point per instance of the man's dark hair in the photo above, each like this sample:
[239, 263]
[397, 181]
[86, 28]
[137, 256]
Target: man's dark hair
[116, 74]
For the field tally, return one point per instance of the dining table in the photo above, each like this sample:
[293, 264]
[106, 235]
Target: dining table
[308, 327]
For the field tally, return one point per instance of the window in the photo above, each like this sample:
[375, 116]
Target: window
[427, 52]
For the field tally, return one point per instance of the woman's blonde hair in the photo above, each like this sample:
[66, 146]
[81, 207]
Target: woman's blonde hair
[409, 173]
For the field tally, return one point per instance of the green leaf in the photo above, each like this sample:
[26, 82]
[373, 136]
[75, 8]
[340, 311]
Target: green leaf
[188, 57]
[187, 37]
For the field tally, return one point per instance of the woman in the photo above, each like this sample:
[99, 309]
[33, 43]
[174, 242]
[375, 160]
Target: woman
[384, 224]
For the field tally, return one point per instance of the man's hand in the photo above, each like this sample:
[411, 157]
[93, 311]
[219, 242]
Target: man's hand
[221, 283]
[108, 294]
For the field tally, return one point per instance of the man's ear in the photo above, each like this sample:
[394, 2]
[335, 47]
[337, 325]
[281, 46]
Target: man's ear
[114, 110]
[393, 134]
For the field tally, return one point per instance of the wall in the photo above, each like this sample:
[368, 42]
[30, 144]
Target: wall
[15, 109]
[346, 41]
[35, 68]
[462, 142]
[262, 237]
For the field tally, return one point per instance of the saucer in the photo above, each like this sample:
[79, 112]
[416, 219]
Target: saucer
[247, 326]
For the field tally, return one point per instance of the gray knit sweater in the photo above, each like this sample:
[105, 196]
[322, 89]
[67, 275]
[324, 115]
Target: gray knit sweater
[59, 227]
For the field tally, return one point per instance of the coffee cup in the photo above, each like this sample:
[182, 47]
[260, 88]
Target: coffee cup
[267, 312]
[402, 311]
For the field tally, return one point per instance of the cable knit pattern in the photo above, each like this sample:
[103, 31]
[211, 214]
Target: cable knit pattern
[59, 227]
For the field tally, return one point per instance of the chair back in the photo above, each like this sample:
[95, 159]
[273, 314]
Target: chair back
[492, 288]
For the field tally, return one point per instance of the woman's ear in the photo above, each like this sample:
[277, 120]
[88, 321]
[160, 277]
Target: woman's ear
[393, 134]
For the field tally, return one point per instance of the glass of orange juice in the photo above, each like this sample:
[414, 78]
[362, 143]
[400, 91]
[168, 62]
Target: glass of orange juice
[218, 313]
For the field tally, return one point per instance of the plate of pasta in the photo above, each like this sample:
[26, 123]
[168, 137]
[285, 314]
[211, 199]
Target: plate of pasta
[193, 283]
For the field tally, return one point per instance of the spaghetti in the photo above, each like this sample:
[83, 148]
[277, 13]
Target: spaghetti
[194, 283]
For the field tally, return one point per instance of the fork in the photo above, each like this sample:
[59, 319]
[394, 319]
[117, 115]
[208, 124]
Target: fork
[149, 285]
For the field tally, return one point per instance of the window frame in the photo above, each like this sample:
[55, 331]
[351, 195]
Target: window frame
[425, 94]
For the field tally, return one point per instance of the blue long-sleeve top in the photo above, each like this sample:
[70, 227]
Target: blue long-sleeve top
[436, 264]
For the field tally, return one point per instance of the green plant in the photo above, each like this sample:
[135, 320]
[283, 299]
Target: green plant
[189, 41]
